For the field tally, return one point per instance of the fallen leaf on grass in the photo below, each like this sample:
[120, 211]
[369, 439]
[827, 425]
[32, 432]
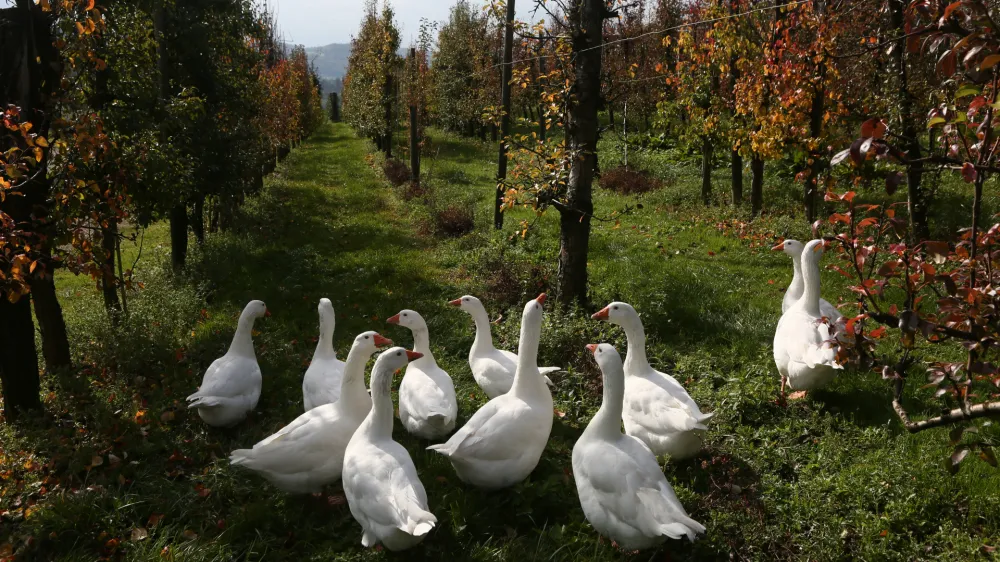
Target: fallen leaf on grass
[189, 535]
[139, 534]
[154, 519]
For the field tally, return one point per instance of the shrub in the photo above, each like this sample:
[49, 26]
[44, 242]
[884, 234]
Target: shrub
[396, 172]
[454, 220]
[628, 182]
[508, 275]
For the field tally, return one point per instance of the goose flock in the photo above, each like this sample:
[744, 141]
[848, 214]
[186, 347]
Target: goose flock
[345, 433]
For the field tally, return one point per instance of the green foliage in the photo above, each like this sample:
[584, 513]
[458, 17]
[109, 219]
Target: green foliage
[368, 90]
[464, 82]
[833, 477]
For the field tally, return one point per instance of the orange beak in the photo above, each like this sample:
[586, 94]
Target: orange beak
[413, 355]
[267, 313]
[456, 302]
[541, 299]
[601, 314]
[779, 247]
[592, 347]
[382, 342]
[393, 319]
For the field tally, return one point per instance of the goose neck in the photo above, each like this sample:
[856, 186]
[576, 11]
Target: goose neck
[352, 385]
[795, 287]
[607, 420]
[380, 417]
[636, 350]
[324, 347]
[810, 296]
[242, 343]
[484, 335]
[527, 379]
[422, 341]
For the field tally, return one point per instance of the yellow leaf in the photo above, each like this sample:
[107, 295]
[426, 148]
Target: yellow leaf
[40, 141]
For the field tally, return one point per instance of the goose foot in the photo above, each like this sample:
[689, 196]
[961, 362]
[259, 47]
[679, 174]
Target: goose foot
[797, 395]
[781, 394]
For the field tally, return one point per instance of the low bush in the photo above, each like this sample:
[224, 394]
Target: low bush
[454, 220]
[396, 172]
[624, 181]
[413, 190]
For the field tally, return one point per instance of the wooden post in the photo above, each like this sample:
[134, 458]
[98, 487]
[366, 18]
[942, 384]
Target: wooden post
[334, 107]
[508, 55]
[414, 147]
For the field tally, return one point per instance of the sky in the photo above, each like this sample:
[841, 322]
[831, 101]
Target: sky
[314, 23]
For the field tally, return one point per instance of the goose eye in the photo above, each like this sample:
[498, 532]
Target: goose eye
[615, 308]
[366, 337]
[405, 314]
[398, 354]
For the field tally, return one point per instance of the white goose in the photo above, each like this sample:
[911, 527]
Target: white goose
[622, 490]
[793, 248]
[308, 453]
[803, 350]
[427, 403]
[502, 442]
[657, 410]
[321, 384]
[492, 368]
[381, 484]
[231, 385]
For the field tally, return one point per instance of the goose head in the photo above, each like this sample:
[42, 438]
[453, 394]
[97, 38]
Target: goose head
[606, 355]
[468, 303]
[793, 248]
[533, 311]
[326, 314]
[390, 361]
[369, 342]
[408, 319]
[813, 251]
[616, 313]
[254, 310]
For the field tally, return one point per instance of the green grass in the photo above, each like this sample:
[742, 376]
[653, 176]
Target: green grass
[833, 477]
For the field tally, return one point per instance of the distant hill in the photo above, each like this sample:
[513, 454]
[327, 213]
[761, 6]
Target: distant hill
[331, 60]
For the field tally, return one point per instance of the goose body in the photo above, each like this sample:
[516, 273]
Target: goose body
[804, 352]
[427, 403]
[230, 388]
[795, 289]
[492, 368]
[308, 453]
[657, 410]
[321, 383]
[502, 442]
[622, 490]
[380, 481]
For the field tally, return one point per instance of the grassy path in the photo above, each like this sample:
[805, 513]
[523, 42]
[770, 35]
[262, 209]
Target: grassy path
[120, 469]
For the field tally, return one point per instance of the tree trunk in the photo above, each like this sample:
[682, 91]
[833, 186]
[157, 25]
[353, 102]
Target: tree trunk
[18, 359]
[198, 219]
[178, 235]
[582, 125]
[737, 166]
[414, 147]
[109, 283]
[387, 139]
[812, 185]
[916, 198]
[541, 106]
[506, 76]
[756, 185]
[55, 341]
[706, 169]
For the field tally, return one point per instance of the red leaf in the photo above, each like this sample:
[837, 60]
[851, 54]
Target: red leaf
[969, 172]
